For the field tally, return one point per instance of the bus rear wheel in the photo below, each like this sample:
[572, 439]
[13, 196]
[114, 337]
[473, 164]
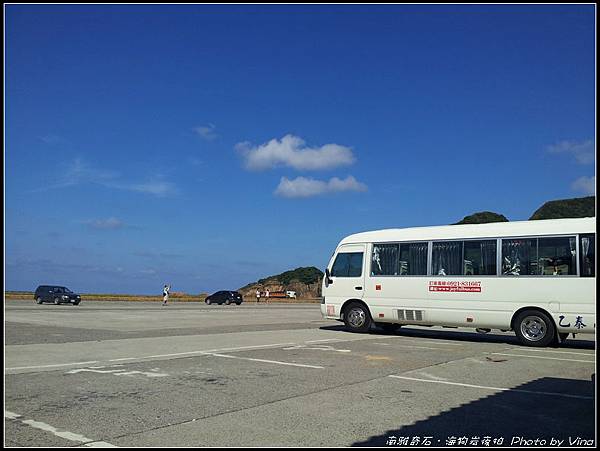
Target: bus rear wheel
[534, 328]
[357, 318]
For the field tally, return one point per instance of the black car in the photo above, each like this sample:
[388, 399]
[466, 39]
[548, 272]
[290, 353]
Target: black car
[56, 294]
[226, 297]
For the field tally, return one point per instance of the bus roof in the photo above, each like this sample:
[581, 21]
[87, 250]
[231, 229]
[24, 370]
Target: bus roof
[466, 231]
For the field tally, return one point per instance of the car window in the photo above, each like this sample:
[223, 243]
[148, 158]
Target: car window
[58, 290]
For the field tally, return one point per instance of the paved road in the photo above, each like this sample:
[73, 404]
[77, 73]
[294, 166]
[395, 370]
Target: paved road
[138, 374]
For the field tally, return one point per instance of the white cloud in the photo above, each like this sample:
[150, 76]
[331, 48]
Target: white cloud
[79, 172]
[308, 187]
[52, 139]
[206, 131]
[291, 151]
[587, 185]
[584, 152]
[158, 188]
[150, 272]
[195, 161]
[105, 224]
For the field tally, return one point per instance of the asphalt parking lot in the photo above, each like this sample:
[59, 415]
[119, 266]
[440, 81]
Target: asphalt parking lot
[138, 374]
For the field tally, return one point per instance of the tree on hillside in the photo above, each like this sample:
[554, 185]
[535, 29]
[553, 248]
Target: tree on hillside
[306, 275]
[483, 217]
[579, 207]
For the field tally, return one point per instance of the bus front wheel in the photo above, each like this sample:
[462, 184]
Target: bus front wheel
[534, 328]
[357, 318]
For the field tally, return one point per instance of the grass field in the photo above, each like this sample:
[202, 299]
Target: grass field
[28, 295]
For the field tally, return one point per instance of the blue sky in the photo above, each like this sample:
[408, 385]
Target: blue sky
[209, 146]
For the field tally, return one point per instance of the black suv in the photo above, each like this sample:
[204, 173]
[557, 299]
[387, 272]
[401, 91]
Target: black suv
[57, 295]
[227, 297]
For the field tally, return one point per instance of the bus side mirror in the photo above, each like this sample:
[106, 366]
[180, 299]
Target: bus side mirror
[328, 280]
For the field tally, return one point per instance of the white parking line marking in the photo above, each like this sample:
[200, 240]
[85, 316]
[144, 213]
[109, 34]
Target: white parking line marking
[89, 370]
[11, 415]
[99, 445]
[556, 352]
[264, 361]
[144, 373]
[431, 341]
[71, 436]
[324, 341]
[516, 390]
[242, 348]
[118, 372]
[51, 366]
[199, 352]
[431, 376]
[540, 357]
[316, 348]
[422, 347]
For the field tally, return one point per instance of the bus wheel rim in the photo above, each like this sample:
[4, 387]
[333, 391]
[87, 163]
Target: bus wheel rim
[533, 328]
[356, 317]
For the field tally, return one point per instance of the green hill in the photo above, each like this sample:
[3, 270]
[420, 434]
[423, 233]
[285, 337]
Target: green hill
[580, 207]
[483, 217]
[307, 275]
[306, 282]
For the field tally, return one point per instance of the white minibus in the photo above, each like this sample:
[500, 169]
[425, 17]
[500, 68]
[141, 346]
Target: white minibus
[536, 278]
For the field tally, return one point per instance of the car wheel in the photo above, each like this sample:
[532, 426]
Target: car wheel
[75, 303]
[39, 300]
[208, 301]
[357, 318]
[534, 328]
[227, 302]
[56, 301]
[238, 303]
[389, 327]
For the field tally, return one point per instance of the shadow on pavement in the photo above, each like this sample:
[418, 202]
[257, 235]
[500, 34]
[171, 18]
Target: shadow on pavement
[464, 336]
[506, 415]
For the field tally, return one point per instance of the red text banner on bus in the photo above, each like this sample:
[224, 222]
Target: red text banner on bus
[455, 286]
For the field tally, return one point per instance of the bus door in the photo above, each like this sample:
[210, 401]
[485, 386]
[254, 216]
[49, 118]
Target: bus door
[347, 276]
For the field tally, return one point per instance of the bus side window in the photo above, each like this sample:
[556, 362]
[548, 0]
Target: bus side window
[413, 259]
[447, 258]
[587, 245]
[384, 261]
[519, 257]
[480, 258]
[557, 256]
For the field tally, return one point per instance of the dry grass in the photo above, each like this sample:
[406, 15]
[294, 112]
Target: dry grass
[179, 297]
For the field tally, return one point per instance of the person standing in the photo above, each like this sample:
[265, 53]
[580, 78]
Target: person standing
[257, 296]
[267, 295]
[166, 290]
